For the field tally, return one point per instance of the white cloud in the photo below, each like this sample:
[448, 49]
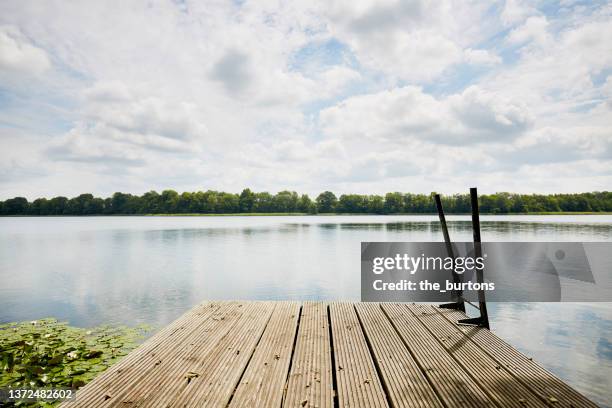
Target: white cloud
[119, 125]
[233, 71]
[412, 40]
[606, 88]
[481, 57]
[337, 77]
[515, 11]
[408, 114]
[97, 144]
[350, 96]
[535, 30]
[119, 108]
[17, 54]
[556, 79]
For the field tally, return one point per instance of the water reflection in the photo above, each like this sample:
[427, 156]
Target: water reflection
[152, 269]
[570, 339]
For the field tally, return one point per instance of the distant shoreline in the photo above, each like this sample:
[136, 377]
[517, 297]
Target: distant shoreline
[301, 214]
[249, 203]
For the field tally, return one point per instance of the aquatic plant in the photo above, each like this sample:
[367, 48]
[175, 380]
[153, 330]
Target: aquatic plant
[51, 354]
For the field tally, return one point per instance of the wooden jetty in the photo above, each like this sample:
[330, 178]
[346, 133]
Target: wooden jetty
[315, 354]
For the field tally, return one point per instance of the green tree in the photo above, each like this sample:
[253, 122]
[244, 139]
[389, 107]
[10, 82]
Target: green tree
[151, 203]
[326, 202]
[305, 204]
[352, 203]
[376, 204]
[119, 203]
[288, 201]
[246, 201]
[185, 202]
[40, 206]
[394, 203]
[81, 205]
[227, 203]
[16, 206]
[263, 202]
[169, 201]
[285, 201]
[209, 200]
[57, 205]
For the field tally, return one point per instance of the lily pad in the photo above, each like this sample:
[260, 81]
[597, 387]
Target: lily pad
[46, 352]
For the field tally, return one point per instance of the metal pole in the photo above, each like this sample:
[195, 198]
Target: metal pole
[458, 305]
[483, 320]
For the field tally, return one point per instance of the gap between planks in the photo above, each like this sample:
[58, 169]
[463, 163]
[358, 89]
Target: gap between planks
[315, 354]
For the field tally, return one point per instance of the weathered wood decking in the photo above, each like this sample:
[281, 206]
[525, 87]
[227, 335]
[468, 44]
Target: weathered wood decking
[313, 354]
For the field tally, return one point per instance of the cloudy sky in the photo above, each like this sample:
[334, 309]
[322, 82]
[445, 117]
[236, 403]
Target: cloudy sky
[350, 96]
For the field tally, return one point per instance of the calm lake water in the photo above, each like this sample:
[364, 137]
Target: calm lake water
[131, 270]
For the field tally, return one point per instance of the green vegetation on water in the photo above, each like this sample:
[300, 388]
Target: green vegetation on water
[50, 354]
[169, 202]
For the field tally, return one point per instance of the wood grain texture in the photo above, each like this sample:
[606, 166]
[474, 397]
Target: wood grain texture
[310, 382]
[358, 381]
[315, 354]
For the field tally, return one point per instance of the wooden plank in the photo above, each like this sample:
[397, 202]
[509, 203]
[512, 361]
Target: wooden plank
[494, 379]
[310, 381]
[170, 374]
[453, 385]
[210, 379]
[130, 369]
[404, 382]
[263, 382]
[357, 380]
[540, 381]
[374, 355]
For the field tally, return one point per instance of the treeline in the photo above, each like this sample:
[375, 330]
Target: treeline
[215, 202]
